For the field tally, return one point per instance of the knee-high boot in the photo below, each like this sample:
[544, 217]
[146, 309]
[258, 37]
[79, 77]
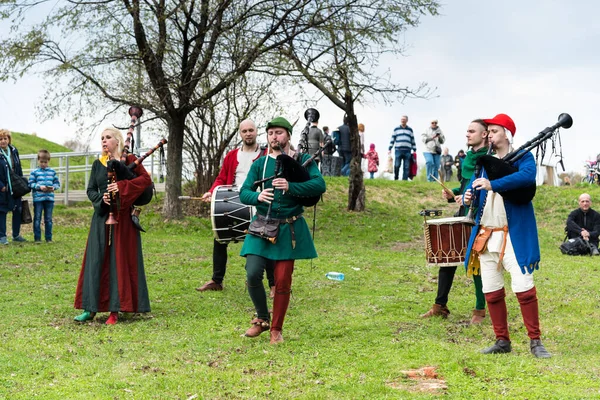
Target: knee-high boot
[529, 309]
[283, 288]
[497, 307]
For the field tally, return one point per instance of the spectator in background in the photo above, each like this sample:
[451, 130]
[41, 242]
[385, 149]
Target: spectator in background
[433, 137]
[585, 223]
[330, 147]
[446, 162]
[361, 135]
[403, 142]
[458, 161]
[315, 140]
[343, 146]
[372, 160]
[9, 159]
[43, 181]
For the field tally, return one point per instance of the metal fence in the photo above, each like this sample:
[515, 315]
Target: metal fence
[66, 167]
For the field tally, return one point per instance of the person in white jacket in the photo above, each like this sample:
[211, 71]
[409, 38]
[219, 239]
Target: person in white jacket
[433, 137]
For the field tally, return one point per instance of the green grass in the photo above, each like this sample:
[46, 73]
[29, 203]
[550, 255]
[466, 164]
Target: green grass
[31, 144]
[347, 339]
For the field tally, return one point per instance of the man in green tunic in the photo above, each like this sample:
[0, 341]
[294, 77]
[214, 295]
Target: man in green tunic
[477, 140]
[293, 240]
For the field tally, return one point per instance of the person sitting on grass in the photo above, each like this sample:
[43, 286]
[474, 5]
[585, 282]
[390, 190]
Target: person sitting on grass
[584, 222]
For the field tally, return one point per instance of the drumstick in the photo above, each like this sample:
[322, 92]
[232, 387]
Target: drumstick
[448, 191]
[189, 198]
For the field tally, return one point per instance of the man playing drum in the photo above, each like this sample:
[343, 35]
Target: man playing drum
[505, 238]
[234, 171]
[477, 141]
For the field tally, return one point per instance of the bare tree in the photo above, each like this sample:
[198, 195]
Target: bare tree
[213, 129]
[76, 145]
[170, 58]
[341, 59]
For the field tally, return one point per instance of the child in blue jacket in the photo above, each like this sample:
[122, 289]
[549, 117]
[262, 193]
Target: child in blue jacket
[43, 182]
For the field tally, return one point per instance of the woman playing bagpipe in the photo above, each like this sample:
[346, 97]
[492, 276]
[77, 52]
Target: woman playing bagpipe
[112, 276]
[278, 232]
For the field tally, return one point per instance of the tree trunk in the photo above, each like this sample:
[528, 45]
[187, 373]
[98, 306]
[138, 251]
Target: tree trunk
[356, 185]
[172, 205]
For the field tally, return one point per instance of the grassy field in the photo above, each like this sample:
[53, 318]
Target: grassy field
[343, 340]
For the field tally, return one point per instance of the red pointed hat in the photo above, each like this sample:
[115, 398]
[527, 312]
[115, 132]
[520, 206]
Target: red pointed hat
[504, 121]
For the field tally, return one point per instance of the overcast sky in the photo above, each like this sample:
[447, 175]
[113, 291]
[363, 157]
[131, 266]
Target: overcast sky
[529, 59]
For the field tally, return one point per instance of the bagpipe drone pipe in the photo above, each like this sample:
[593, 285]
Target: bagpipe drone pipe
[122, 170]
[497, 168]
[119, 170]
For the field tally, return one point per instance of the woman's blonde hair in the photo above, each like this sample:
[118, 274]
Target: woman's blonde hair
[6, 132]
[117, 135]
[361, 127]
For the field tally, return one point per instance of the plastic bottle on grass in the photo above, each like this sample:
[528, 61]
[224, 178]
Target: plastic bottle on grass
[335, 276]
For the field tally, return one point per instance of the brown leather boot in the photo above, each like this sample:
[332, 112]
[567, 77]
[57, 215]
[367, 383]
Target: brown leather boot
[496, 305]
[437, 311]
[276, 337]
[210, 285]
[478, 316]
[258, 327]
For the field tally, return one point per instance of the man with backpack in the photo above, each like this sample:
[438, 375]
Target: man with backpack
[341, 138]
[584, 223]
[330, 147]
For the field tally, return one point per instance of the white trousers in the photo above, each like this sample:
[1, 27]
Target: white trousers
[492, 277]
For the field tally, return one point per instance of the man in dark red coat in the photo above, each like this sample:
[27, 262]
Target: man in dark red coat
[235, 168]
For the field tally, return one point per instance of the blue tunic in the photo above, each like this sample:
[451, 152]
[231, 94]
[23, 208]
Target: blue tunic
[521, 217]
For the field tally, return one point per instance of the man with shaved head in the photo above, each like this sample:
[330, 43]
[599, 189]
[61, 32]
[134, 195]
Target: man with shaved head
[234, 171]
[585, 223]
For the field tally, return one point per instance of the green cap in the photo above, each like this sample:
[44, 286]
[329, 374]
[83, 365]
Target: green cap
[280, 122]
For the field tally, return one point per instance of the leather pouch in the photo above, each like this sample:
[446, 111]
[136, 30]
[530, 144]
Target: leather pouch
[481, 239]
[262, 227]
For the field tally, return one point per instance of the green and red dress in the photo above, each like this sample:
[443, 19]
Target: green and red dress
[112, 276]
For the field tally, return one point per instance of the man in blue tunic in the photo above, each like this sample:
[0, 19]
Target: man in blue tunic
[505, 238]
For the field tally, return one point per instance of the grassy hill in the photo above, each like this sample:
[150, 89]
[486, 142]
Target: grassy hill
[343, 340]
[31, 144]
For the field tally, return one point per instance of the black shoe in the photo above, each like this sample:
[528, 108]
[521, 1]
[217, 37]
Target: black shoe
[500, 347]
[538, 349]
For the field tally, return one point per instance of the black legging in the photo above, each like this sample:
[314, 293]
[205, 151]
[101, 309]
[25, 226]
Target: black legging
[220, 264]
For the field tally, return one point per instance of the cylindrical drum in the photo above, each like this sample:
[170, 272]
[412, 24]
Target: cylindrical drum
[446, 241]
[230, 217]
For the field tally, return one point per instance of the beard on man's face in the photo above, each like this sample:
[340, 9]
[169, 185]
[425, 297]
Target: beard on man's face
[250, 141]
[276, 145]
[279, 145]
